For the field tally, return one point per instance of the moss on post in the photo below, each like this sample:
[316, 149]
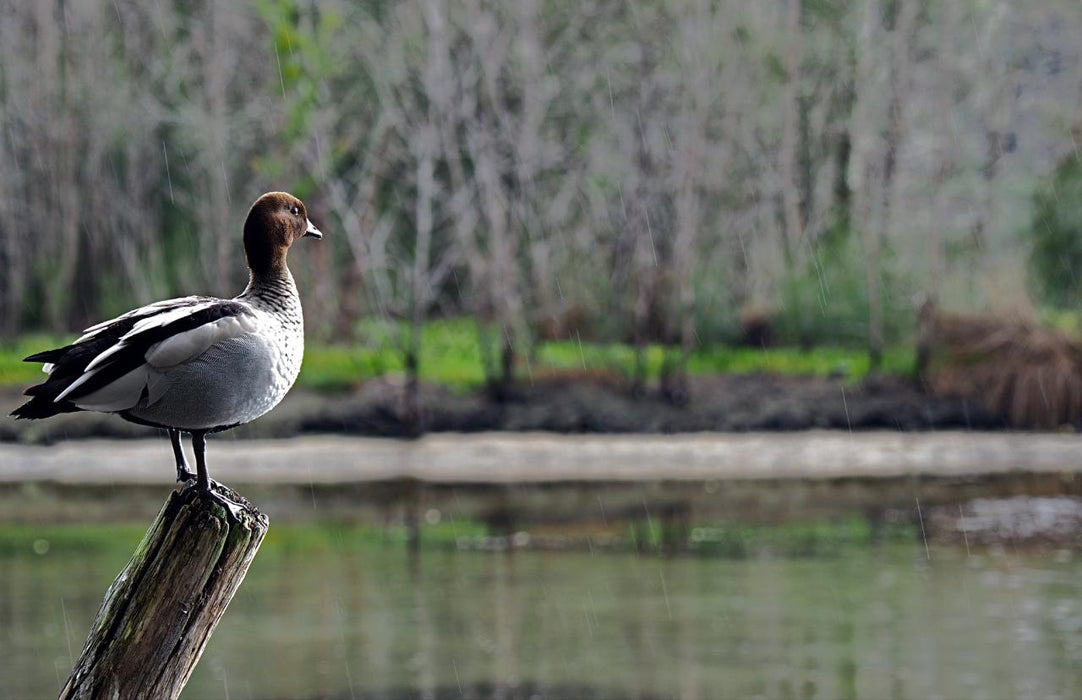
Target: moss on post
[159, 613]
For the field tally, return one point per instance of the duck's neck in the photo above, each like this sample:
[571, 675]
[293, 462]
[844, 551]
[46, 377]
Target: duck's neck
[274, 288]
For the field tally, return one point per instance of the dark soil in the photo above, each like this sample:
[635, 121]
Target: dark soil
[759, 402]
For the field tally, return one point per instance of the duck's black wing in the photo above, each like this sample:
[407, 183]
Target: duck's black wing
[67, 364]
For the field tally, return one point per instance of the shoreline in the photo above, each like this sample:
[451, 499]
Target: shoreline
[957, 487]
[525, 458]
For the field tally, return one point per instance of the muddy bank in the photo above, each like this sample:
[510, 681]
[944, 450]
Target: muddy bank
[728, 403]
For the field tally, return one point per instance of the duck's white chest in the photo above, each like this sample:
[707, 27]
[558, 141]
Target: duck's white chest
[282, 334]
[235, 381]
[275, 353]
[287, 354]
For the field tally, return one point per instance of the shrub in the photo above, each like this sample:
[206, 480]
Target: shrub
[1055, 236]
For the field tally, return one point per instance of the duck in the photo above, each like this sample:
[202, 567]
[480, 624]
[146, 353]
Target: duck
[194, 364]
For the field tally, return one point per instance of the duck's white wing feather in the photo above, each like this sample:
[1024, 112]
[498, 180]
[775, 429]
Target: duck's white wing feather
[165, 337]
[142, 312]
[159, 320]
[118, 395]
[190, 344]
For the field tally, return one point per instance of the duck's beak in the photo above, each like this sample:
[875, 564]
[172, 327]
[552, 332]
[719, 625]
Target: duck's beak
[312, 231]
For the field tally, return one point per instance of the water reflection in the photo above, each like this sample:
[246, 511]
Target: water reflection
[342, 616]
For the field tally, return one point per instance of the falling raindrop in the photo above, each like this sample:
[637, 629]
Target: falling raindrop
[278, 60]
[650, 231]
[845, 405]
[67, 631]
[225, 179]
[323, 167]
[612, 102]
[168, 175]
[962, 522]
[665, 591]
[923, 534]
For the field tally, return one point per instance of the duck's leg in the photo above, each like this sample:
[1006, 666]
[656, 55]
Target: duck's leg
[202, 478]
[199, 443]
[183, 473]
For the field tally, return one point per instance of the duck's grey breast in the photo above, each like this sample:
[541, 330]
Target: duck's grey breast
[235, 381]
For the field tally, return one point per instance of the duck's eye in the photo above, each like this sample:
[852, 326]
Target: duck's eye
[294, 210]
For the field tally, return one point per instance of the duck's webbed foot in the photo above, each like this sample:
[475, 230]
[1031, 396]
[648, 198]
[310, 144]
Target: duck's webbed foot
[203, 483]
[221, 495]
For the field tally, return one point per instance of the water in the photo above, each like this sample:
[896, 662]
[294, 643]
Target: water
[339, 614]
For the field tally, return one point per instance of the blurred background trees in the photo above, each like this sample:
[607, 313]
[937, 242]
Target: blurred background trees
[671, 172]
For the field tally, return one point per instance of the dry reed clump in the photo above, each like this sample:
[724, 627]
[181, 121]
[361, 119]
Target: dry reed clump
[1028, 374]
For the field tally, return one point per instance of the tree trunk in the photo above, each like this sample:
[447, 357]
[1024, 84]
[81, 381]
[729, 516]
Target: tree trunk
[792, 220]
[159, 614]
[412, 419]
[420, 279]
[864, 161]
[507, 364]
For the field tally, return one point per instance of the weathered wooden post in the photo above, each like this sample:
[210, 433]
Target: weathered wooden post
[160, 612]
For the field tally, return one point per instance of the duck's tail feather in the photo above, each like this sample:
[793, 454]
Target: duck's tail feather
[48, 356]
[43, 406]
[43, 403]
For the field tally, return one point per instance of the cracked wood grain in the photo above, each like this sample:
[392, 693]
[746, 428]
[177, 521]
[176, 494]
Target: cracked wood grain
[160, 612]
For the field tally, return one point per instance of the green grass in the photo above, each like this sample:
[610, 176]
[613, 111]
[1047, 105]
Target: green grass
[451, 356]
[821, 361]
[13, 370]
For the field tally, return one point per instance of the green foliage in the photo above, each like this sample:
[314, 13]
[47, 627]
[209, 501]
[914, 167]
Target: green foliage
[1066, 320]
[820, 362]
[451, 356]
[826, 302]
[716, 315]
[1055, 236]
[718, 359]
[304, 58]
[573, 354]
[15, 372]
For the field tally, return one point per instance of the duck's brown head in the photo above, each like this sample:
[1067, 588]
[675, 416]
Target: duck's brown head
[275, 221]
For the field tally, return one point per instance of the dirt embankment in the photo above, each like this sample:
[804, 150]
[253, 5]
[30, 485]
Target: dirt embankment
[734, 403]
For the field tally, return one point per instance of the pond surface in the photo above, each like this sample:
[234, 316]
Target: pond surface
[342, 614]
